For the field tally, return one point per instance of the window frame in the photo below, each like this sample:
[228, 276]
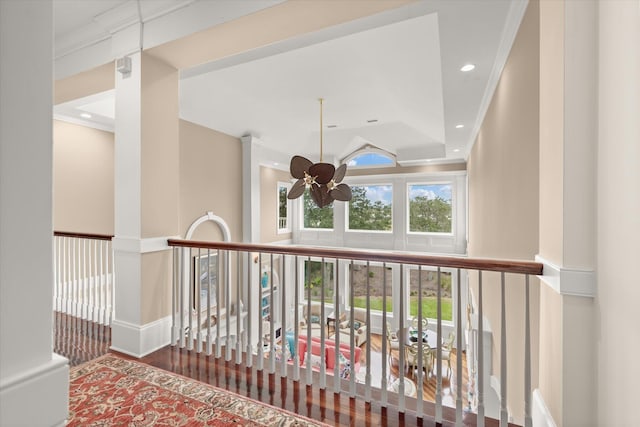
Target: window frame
[288, 228]
[301, 213]
[347, 209]
[452, 186]
[370, 150]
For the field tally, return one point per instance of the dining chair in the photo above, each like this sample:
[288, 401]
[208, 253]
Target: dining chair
[412, 355]
[415, 322]
[447, 347]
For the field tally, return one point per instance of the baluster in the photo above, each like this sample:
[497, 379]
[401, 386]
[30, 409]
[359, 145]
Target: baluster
[272, 333]
[191, 299]
[385, 334]
[94, 276]
[352, 380]
[238, 308]
[181, 297]
[227, 302]
[336, 334]
[458, 354]
[402, 339]
[528, 422]
[197, 267]
[367, 381]
[323, 317]
[504, 415]
[307, 360]
[480, 357]
[218, 301]
[112, 289]
[85, 308]
[283, 316]
[74, 297]
[420, 353]
[209, 292]
[249, 351]
[439, 348]
[174, 295]
[260, 321]
[101, 298]
[296, 322]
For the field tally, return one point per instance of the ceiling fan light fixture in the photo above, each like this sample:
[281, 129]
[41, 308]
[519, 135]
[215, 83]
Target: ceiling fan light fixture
[322, 179]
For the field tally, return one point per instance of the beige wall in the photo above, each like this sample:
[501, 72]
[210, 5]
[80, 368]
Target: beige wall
[210, 180]
[159, 149]
[617, 339]
[503, 199]
[269, 179]
[82, 179]
[551, 128]
[87, 83]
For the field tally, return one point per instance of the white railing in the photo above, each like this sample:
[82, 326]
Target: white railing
[255, 298]
[83, 276]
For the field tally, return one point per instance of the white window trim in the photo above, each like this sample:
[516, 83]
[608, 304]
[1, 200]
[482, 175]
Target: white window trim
[451, 184]
[347, 210]
[371, 150]
[288, 228]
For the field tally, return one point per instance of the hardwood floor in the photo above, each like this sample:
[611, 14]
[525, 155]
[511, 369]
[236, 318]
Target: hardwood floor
[81, 341]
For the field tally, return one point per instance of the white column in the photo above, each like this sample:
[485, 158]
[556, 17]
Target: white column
[29, 371]
[146, 203]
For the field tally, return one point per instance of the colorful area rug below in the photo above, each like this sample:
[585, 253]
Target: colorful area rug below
[111, 391]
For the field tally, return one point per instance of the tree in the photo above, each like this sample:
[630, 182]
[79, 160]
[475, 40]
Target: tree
[315, 217]
[430, 215]
[364, 214]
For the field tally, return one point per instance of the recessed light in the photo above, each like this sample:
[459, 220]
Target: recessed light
[85, 115]
[372, 121]
[459, 126]
[332, 126]
[275, 163]
[456, 150]
[467, 67]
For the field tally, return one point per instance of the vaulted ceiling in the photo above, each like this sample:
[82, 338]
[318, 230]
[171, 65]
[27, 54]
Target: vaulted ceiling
[393, 81]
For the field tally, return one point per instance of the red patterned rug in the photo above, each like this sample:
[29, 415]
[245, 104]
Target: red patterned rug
[111, 391]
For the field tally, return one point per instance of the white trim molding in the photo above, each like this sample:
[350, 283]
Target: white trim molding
[540, 415]
[144, 339]
[568, 281]
[141, 246]
[46, 384]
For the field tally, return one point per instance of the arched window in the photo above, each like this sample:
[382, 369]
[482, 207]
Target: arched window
[370, 157]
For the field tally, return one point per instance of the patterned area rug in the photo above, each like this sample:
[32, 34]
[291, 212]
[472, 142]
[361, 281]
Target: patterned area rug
[111, 391]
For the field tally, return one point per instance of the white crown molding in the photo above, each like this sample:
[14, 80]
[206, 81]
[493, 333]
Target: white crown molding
[568, 281]
[140, 340]
[141, 246]
[85, 123]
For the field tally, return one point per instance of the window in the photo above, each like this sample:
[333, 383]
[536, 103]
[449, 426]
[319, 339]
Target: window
[429, 288]
[370, 207]
[430, 208]
[313, 281]
[315, 217]
[370, 157]
[283, 208]
[376, 276]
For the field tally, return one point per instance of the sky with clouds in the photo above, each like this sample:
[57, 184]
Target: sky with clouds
[431, 191]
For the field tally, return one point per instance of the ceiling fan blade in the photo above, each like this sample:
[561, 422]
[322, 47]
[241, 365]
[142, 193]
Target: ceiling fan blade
[320, 195]
[340, 173]
[296, 190]
[299, 165]
[323, 171]
[341, 192]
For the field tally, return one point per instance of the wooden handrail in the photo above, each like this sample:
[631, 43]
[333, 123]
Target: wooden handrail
[520, 267]
[83, 235]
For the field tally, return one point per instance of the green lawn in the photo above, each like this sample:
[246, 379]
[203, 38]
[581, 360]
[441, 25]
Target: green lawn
[429, 308]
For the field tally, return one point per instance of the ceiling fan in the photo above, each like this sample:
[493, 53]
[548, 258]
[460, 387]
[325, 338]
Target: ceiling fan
[323, 180]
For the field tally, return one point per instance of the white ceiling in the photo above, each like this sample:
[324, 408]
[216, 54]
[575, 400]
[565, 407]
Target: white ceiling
[403, 71]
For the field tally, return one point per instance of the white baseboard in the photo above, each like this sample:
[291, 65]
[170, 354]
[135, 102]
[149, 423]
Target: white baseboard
[138, 341]
[540, 414]
[37, 397]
